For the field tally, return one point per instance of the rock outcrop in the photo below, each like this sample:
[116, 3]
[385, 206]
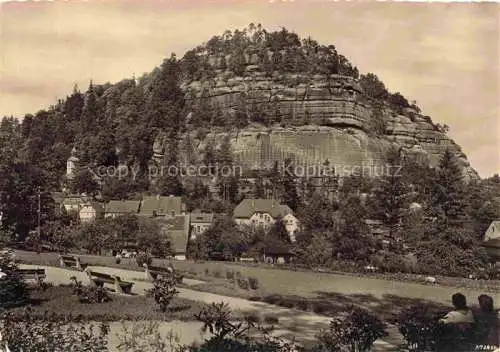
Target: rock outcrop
[318, 118]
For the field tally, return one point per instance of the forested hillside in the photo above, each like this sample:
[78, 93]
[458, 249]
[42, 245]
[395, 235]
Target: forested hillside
[254, 97]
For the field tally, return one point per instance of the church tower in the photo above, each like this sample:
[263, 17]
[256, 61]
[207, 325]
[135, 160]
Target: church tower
[71, 165]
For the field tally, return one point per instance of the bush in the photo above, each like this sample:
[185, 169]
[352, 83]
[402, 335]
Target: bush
[243, 283]
[87, 294]
[356, 333]
[145, 336]
[320, 307]
[230, 275]
[302, 304]
[51, 332]
[271, 320]
[253, 283]
[144, 258]
[163, 291]
[272, 299]
[13, 290]
[286, 302]
[419, 327]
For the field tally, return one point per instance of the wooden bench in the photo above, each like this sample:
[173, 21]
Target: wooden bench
[153, 272]
[97, 279]
[70, 261]
[36, 275]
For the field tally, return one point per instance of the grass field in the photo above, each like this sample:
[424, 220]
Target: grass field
[326, 293]
[60, 300]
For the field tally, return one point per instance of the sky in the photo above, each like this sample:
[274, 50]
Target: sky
[446, 57]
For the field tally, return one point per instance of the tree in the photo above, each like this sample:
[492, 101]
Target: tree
[166, 98]
[290, 195]
[90, 112]
[352, 241]
[448, 199]
[225, 237]
[318, 213]
[373, 87]
[278, 231]
[84, 182]
[392, 194]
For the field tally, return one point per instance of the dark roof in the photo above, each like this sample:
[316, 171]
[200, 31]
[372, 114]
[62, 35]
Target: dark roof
[177, 228]
[493, 243]
[202, 218]
[248, 207]
[99, 207]
[161, 205]
[122, 206]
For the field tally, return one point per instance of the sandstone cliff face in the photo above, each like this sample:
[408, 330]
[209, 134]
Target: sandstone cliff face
[347, 133]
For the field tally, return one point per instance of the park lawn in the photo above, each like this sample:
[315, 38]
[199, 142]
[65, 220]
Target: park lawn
[290, 285]
[60, 300]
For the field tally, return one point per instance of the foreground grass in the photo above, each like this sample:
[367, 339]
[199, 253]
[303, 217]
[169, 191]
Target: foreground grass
[60, 300]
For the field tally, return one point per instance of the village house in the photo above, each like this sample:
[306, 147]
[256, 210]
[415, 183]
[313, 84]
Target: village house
[91, 212]
[73, 202]
[115, 208]
[200, 222]
[492, 240]
[265, 212]
[154, 206]
[177, 229]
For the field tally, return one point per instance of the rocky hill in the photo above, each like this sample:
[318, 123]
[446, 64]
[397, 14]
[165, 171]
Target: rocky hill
[272, 95]
[312, 116]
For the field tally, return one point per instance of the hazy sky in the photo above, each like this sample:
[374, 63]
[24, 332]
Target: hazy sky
[444, 56]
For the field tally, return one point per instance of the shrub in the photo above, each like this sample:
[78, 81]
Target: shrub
[272, 299]
[356, 333]
[271, 320]
[230, 275]
[13, 290]
[51, 332]
[419, 326]
[252, 318]
[87, 294]
[253, 283]
[320, 307]
[302, 304]
[286, 302]
[243, 283]
[144, 258]
[163, 291]
[145, 336]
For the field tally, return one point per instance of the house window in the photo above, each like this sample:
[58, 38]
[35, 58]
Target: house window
[198, 228]
[260, 215]
[254, 221]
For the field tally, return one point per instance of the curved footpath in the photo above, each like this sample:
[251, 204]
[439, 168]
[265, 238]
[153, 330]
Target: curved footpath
[303, 326]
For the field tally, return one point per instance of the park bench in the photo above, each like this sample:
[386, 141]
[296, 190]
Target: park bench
[36, 275]
[71, 261]
[153, 272]
[97, 279]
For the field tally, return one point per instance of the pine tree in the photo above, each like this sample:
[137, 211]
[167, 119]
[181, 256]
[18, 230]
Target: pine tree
[448, 200]
[90, 110]
[170, 179]
[290, 195]
[166, 98]
[392, 194]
